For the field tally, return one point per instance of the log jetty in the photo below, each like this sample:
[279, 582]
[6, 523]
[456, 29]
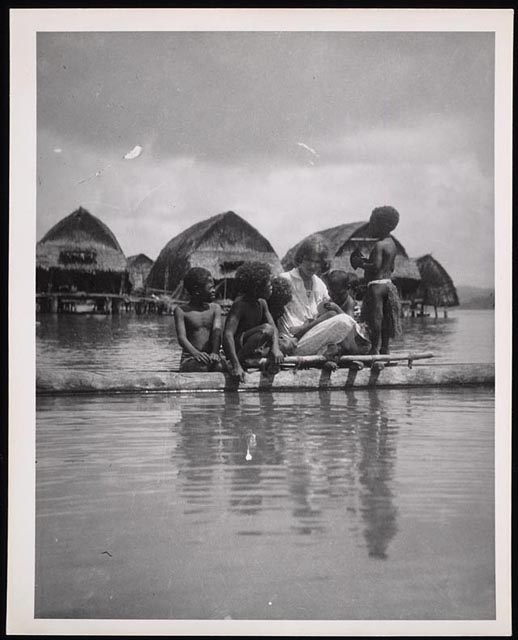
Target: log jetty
[400, 371]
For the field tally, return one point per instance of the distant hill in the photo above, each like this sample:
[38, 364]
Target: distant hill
[476, 297]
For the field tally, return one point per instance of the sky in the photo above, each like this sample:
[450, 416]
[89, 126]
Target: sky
[295, 132]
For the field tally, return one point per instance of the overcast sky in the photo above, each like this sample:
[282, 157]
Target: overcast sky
[383, 118]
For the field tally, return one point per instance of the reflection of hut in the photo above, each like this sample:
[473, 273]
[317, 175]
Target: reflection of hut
[436, 288]
[80, 253]
[220, 244]
[139, 267]
[342, 241]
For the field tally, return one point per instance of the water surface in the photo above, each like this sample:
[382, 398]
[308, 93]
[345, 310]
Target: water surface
[322, 505]
[148, 343]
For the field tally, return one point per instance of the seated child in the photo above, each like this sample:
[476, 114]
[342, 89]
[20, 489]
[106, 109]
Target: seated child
[250, 330]
[341, 290]
[282, 293]
[198, 324]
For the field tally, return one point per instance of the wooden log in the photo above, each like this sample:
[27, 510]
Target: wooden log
[116, 381]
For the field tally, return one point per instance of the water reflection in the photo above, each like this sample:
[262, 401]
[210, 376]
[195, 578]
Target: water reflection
[350, 505]
[338, 458]
[378, 458]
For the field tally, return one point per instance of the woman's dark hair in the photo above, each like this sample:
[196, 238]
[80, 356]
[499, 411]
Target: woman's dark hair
[314, 245]
[282, 293]
[252, 278]
[196, 278]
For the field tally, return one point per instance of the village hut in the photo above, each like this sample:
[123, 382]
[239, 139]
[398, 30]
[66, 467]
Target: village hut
[139, 267]
[343, 239]
[80, 253]
[436, 287]
[220, 244]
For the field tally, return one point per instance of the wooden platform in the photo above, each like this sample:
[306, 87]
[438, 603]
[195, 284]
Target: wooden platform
[420, 375]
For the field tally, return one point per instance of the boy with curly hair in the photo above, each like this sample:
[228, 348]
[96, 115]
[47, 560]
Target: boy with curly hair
[250, 330]
[198, 324]
[381, 307]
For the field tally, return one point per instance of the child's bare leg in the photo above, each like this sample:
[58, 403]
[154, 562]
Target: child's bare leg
[375, 321]
[385, 335]
[254, 339]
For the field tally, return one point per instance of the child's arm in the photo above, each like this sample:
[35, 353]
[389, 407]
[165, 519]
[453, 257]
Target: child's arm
[229, 343]
[373, 263]
[349, 306]
[216, 333]
[181, 333]
[277, 354]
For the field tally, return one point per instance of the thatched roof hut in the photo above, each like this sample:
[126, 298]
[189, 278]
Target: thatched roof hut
[139, 267]
[341, 242]
[80, 253]
[220, 244]
[436, 287]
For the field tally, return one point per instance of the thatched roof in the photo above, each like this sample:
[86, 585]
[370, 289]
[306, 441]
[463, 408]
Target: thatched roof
[138, 261]
[436, 287]
[340, 242]
[220, 244]
[80, 242]
[139, 267]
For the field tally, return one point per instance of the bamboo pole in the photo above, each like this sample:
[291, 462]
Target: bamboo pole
[293, 361]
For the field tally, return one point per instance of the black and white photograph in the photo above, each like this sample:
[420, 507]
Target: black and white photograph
[260, 275]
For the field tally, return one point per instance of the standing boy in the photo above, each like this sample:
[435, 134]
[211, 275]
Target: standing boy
[250, 330]
[381, 307]
[198, 324]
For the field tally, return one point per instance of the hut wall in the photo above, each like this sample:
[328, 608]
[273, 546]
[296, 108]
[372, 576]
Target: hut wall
[61, 280]
[224, 262]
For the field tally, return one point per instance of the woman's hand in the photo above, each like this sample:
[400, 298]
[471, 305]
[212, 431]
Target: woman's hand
[332, 306]
[277, 355]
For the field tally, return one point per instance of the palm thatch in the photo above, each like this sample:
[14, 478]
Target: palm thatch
[219, 244]
[139, 267]
[341, 242]
[436, 287]
[80, 252]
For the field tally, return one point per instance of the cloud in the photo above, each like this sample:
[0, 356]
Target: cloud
[147, 203]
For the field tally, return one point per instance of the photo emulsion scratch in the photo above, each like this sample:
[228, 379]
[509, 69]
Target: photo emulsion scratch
[265, 326]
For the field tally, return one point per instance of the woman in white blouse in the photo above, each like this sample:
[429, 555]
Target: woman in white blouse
[310, 316]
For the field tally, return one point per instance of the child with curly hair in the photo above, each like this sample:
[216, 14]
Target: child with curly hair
[250, 330]
[341, 290]
[381, 307]
[198, 324]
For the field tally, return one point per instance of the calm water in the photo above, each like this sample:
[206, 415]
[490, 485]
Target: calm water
[149, 342]
[330, 505]
[323, 505]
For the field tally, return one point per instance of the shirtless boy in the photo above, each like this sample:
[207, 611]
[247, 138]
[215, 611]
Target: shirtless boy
[381, 306]
[250, 330]
[198, 324]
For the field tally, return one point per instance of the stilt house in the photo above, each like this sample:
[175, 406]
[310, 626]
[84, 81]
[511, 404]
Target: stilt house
[343, 239]
[220, 244]
[436, 287]
[139, 267]
[80, 253]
